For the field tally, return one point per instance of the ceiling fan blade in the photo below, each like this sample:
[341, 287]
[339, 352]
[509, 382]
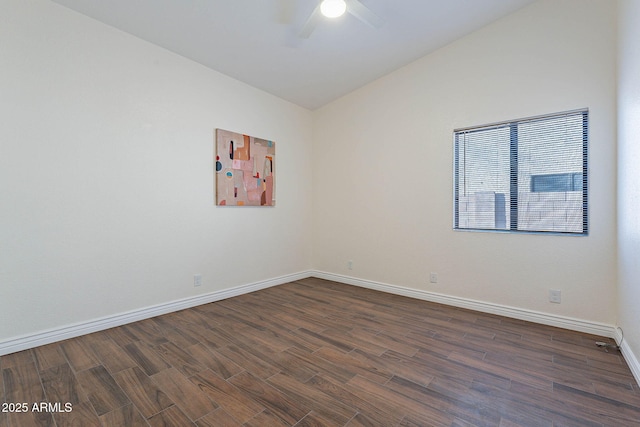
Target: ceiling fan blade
[363, 13]
[311, 23]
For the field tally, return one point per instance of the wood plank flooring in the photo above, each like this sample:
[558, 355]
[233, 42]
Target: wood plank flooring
[319, 353]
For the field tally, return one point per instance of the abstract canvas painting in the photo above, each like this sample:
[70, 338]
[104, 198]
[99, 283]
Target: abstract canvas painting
[245, 170]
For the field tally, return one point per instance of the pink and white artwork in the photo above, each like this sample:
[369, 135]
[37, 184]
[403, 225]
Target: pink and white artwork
[245, 170]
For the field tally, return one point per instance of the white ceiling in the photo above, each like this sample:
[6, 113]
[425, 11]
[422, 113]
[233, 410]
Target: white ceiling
[255, 41]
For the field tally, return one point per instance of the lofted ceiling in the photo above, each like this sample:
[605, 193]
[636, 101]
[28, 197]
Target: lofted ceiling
[256, 41]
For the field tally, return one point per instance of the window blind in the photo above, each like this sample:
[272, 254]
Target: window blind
[526, 175]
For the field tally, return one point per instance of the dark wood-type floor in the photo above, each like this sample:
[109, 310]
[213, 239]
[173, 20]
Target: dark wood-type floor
[318, 353]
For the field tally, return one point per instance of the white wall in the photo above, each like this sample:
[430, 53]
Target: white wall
[106, 174]
[629, 175]
[383, 165]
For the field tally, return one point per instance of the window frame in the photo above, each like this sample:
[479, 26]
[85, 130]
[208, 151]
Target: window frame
[513, 183]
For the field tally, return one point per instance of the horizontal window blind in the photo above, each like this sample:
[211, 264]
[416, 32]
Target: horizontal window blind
[523, 175]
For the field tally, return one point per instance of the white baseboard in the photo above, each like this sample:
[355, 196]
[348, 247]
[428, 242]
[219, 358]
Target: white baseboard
[580, 325]
[629, 356]
[24, 342]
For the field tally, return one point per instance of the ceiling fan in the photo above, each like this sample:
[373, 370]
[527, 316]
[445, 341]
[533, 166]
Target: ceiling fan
[336, 8]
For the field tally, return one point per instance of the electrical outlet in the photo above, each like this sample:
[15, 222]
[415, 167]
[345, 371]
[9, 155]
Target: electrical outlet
[197, 280]
[350, 265]
[555, 296]
[433, 277]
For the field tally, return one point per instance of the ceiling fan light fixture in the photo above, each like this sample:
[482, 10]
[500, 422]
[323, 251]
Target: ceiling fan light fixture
[333, 8]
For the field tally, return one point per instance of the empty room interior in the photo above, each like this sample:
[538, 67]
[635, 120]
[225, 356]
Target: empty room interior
[364, 295]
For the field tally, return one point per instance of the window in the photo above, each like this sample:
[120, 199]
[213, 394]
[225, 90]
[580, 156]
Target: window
[523, 176]
[559, 182]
